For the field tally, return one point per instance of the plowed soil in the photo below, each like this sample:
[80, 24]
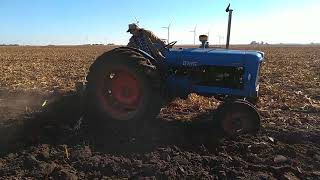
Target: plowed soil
[41, 136]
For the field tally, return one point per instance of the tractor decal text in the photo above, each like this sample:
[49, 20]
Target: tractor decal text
[190, 63]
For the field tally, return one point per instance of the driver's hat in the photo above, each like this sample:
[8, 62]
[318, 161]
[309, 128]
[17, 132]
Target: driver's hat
[132, 26]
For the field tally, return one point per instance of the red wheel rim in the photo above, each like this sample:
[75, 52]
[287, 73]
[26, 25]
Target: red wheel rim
[121, 94]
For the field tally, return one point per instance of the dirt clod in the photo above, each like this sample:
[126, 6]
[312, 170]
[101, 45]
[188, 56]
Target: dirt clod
[81, 153]
[64, 174]
[31, 161]
[280, 159]
[290, 176]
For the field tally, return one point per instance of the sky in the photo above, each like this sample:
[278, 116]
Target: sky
[63, 22]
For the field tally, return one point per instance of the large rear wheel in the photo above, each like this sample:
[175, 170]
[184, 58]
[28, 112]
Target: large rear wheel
[122, 89]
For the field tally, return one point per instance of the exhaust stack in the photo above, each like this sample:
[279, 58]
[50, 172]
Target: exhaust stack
[229, 25]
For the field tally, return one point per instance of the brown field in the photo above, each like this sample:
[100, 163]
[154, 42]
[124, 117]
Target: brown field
[39, 109]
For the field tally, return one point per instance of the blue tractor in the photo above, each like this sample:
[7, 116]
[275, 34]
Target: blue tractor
[127, 85]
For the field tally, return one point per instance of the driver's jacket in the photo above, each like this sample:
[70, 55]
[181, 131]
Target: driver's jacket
[147, 42]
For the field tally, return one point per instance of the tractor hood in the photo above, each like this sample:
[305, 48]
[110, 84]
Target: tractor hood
[222, 57]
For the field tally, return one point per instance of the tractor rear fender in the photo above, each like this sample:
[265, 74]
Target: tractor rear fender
[143, 53]
[98, 62]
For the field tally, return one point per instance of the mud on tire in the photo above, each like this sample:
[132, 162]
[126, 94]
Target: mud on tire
[122, 90]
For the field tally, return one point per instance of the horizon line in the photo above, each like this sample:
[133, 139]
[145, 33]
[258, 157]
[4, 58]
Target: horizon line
[112, 44]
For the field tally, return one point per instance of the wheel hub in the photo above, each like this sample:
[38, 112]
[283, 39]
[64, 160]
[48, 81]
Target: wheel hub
[236, 122]
[123, 94]
[125, 88]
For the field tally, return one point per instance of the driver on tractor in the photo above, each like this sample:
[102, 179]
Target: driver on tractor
[145, 40]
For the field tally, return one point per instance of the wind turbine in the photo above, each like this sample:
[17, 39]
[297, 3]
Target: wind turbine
[220, 38]
[168, 28]
[87, 39]
[194, 34]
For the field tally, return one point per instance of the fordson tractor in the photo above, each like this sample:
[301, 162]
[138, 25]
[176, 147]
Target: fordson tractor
[128, 85]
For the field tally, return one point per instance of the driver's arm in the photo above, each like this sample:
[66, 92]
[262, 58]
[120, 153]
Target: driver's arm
[154, 38]
[132, 43]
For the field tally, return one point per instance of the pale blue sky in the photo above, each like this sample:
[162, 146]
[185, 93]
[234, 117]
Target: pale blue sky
[44, 22]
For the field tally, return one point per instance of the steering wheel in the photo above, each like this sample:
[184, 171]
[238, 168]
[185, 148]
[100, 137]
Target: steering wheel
[170, 45]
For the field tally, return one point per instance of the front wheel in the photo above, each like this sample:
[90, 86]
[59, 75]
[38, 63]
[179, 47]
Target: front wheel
[237, 117]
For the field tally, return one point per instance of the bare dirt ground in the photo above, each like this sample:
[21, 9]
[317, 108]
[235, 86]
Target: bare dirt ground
[39, 136]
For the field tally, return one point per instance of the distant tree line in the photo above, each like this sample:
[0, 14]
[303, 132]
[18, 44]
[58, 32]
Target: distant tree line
[9, 44]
